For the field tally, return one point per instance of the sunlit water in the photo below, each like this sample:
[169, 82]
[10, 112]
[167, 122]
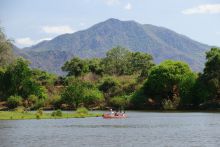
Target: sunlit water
[141, 129]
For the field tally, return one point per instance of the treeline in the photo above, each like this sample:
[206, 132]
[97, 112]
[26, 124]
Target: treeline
[121, 79]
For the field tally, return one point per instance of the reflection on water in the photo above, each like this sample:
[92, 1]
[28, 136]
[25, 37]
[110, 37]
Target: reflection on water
[140, 129]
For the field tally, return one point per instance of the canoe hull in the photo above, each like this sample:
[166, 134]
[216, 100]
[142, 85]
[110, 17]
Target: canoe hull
[110, 116]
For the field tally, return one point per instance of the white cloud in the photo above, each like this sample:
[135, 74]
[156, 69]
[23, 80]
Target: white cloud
[24, 41]
[82, 24]
[27, 41]
[42, 39]
[128, 6]
[203, 9]
[57, 29]
[112, 2]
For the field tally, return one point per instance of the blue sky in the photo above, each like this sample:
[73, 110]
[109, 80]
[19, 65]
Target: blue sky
[28, 22]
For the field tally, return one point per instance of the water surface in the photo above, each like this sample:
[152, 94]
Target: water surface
[141, 129]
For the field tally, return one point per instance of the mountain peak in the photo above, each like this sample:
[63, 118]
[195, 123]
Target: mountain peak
[95, 41]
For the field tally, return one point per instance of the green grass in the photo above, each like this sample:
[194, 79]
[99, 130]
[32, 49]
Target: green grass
[14, 115]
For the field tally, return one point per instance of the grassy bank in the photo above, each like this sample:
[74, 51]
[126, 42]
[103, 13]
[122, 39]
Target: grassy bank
[14, 115]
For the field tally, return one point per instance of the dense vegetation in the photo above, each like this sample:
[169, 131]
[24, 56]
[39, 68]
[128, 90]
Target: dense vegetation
[121, 79]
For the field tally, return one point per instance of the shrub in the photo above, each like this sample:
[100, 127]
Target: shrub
[93, 96]
[40, 112]
[82, 110]
[57, 113]
[38, 104]
[120, 101]
[37, 116]
[20, 109]
[14, 101]
[169, 104]
[32, 99]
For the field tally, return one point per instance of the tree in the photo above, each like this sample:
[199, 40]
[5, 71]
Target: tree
[208, 85]
[116, 61]
[73, 94]
[17, 80]
[212, 71]
[187, 90]
[6, 55]
[79, 92]
[15, 77]
[164, 80]
[76, 67]
[14, 101]
[141, 63]
[95, 66]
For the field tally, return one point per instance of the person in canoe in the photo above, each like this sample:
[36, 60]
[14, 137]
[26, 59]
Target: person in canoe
[113, 114]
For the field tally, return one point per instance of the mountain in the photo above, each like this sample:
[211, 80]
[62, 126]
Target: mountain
[95, 41]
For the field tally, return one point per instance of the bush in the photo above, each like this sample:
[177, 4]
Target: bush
[38, 104]
[93, 96]
[120, 101]
[20, 109]
[40, 112]
[37, 116]
[82, 110]
[14, 101]
[169, 104]
[32, 99]
[57, 113]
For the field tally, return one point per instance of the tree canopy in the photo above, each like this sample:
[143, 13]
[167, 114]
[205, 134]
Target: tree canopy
[6, 54]
[118, 61]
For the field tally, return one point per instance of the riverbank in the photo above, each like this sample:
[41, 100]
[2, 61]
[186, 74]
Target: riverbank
[14, 115]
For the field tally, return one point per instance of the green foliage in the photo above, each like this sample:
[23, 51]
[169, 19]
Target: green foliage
[164, 81]
[17, 80]
[82, 110]
[140, 63]
[43, 78]
[109, 84]
[20, 109]
[15, 77]
[39, 104]
[40, 111]
[57, 113]
[211, 75]
[76, 67]
[32, 100]
[38, 116]
[164, 76]
[171, 104]
[6, 55]
[79, 92]
[95, 66]
[187, 87]
[92, 97]
[14, 101]
[207, 86]
[73, 94]
[120, 101]
[116, 61]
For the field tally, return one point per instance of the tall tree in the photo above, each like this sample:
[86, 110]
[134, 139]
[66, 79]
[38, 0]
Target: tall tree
[6, 55]
[76, 67]
[164, 81]
[211, 74]
[17, 80]
[141, 63]
[116, 61]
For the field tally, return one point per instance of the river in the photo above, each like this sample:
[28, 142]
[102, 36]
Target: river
[140, 129]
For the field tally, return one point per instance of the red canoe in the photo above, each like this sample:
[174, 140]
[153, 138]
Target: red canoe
[119, 115]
